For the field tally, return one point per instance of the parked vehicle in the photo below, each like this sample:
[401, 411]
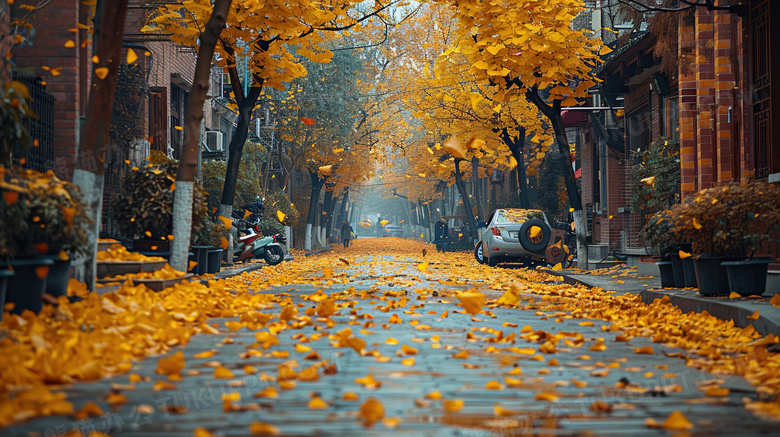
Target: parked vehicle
[252, 245]
[519, 235]
[392, 231]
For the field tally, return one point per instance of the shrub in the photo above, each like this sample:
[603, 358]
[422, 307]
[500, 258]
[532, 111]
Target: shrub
[145, 205]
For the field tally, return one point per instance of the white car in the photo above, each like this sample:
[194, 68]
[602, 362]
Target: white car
[515, 235]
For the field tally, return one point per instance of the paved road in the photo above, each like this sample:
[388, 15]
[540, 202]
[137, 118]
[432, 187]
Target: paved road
[560, 393]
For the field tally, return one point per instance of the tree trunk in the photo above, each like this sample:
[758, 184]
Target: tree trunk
[462, 190]
[553, 113]
[89, 173]
[316, 186]
[328, 214]
[342, 216]
[193, 113]
[516, 145]
[476, 192]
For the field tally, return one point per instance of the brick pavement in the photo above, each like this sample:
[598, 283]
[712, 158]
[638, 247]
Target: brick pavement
[435, 369]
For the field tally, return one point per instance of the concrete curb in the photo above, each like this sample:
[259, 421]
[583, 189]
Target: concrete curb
[689, 300]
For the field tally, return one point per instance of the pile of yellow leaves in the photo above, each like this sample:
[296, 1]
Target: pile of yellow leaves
[164, 273]
[102, 336]
[118, 253]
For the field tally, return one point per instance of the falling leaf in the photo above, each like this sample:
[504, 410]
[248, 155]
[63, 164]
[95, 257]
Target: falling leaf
[775, 300]
[70, 44]
[735, 295]
[384, 222]
[650, 181]
[131, 56]
[326, 170]
[101, 72]
[472, 301]
[454, 148]
[696, 224]
[280, 215]
[683, 254]
[307, 121]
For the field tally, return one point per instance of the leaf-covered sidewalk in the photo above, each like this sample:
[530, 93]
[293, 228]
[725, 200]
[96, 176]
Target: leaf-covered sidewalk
[376, 336]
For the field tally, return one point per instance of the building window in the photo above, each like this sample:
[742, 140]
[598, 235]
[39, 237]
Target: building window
[672, 118]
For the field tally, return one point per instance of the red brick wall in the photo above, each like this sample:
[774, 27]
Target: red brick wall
[687, 102]
[47, 48]
[715, 128]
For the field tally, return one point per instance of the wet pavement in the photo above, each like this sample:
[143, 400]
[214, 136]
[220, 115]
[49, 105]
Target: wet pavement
[589, 385]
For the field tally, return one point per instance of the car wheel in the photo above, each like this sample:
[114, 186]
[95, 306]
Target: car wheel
[478, 253]
[538, 242]
[492, 262]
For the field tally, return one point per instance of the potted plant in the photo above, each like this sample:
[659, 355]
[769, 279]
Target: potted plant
[207, 238]
[43, 226]
[144, 208]
[751, 215]
[726, 224]
[659, 233]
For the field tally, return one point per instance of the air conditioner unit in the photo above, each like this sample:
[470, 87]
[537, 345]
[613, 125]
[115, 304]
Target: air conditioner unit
[214, 141]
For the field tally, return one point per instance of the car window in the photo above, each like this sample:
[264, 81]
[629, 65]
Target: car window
[511, 216]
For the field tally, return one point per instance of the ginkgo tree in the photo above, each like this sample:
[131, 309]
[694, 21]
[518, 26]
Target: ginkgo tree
[529, 49]
[274, 36]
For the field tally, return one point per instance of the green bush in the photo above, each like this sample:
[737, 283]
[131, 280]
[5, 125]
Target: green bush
[145, 205]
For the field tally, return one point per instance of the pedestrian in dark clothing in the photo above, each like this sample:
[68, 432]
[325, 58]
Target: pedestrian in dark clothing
[441, 234]
[346, 233]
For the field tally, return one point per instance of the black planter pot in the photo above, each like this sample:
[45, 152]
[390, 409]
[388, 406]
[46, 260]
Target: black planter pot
[677, 269]
[215, 260]
[59, 275]
[26, 286]
[667, 274]
[747, 277]
[711, 276]
[201, 256]
[5, 274]
[689, 273]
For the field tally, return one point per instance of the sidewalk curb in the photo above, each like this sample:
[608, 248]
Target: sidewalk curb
[690, 301]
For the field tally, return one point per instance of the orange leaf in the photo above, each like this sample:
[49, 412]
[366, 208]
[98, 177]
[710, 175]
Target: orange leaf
[494, 385]
[10, 197]
[261, 428]
[42, 271]
[472, 301]
[408, 350]
[317, 403]
[101, 72]
[371, 412]
[307, 121]
[223, 373]
[682, 254]
[350, 396]
[41, 248]
[69, 213]
[753, 316]
[647, 350]
[453, 406]
[717, 392]
[548, 397]
[434, 395]
[171, 365]
[408, 362]
[677, 422]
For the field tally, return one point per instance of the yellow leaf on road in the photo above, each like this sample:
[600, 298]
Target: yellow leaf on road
[472, 301]
[371, 411]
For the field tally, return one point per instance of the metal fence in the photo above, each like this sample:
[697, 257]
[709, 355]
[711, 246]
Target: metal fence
[40, 127]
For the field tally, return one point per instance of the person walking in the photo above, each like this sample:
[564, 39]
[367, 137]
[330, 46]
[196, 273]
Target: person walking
[346, 233]
[441, 233]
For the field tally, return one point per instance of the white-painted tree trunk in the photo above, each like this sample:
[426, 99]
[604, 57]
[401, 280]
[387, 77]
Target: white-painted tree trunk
[91, 186]
[323, 236]
[288, 234]
[182, 225]
[307, 238]
[581, 232]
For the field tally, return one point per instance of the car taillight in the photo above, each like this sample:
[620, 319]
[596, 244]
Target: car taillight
[495, 231]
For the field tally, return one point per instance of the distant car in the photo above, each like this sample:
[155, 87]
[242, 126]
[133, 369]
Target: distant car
[392, 231]
[514, 235]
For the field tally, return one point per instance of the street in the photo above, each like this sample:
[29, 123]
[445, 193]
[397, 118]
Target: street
[541, 366]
